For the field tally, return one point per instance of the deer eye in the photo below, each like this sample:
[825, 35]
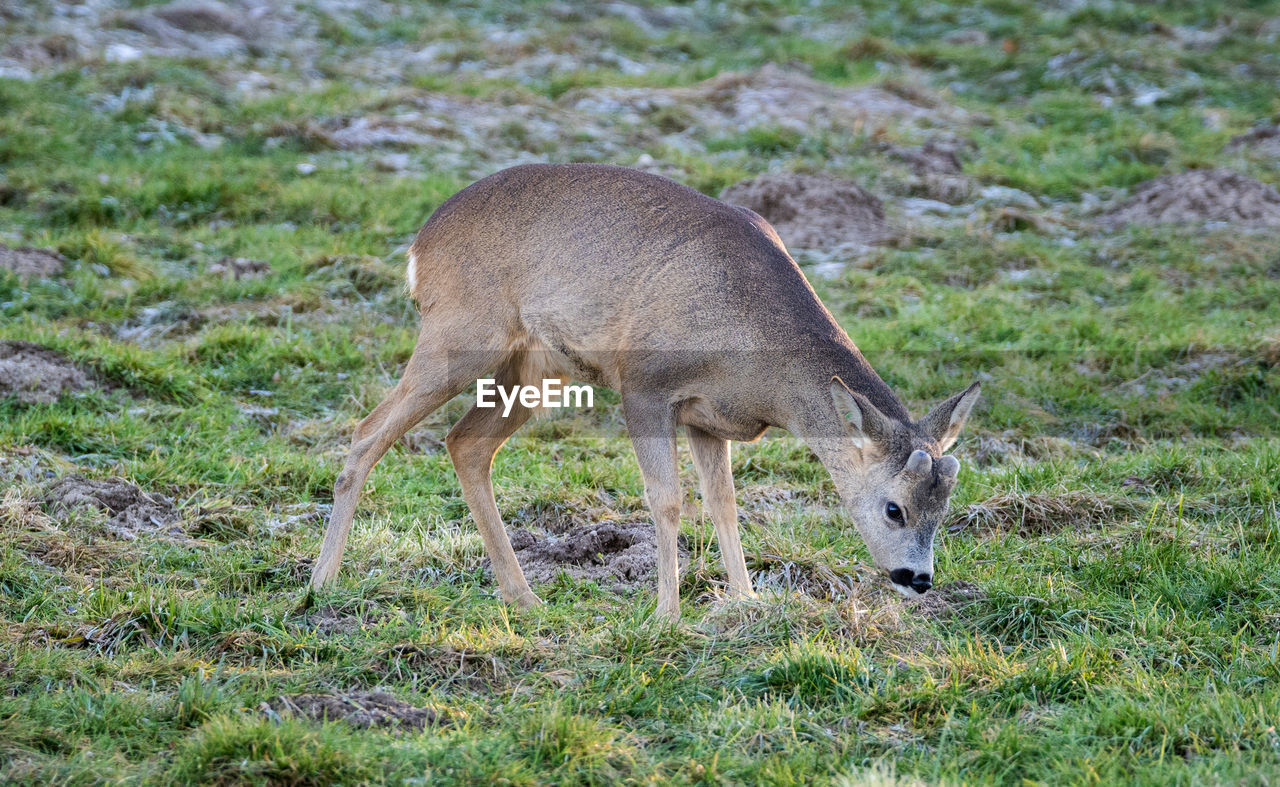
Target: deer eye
[892, 511]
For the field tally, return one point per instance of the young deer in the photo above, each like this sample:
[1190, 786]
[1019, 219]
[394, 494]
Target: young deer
[695, 313]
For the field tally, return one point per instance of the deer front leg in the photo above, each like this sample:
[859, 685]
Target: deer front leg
[651, 425]
[711, 457]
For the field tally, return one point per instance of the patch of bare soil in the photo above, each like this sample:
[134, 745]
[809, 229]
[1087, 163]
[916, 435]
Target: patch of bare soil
[1039, 514]
[937, 169]
[38, 375]
[132, 511]
[455, 130]
[617, 555]
[361, 710]
[329, 619]
[813, 211]
[1198, 196]
[767, 96]
[155, 323]
[240, 268]
[1263, 141]
[57, 34]
[27, 262]
[935, 156]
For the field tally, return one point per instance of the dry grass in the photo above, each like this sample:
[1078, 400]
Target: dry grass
[1038, 514]
[24, 524]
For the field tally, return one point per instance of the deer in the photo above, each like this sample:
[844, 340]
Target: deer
[694, 312]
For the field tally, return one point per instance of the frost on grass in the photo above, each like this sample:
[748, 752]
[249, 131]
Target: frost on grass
[240, 268]
[870, 614]
[814, 211]
[361, 710]
[1198, 196]
[937, 170]
[131, 510]
[443, 665]
[767, 96]
[1036, 514]
[38, 375]
[29, 263]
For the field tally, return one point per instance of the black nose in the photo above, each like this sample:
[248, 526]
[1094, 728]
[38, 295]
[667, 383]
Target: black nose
[920, 583]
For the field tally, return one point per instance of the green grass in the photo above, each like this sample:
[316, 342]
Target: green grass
[1119, 477]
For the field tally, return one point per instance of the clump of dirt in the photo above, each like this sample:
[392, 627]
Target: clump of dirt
[767, 96]
[935, 156]
[361, 710]
[555, 517]
[164, 320]
[38, 375]
[41, 52]
[240, 268]
[202, 17]
[132, 511]
[204, 28]
[501, 129]
[937, 169]
[1198, 196]
[1039, 514]
[814, 211]
[617, 555]
[328, 619]
[27, 262]
[1264, 141]
[332, 620]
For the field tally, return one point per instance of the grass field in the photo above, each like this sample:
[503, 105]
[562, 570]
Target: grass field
[1109, 579]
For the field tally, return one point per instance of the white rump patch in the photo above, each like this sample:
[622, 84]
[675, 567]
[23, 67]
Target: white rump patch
[411, 272]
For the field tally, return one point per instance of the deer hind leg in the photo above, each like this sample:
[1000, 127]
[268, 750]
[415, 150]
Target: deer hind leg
[472, 443]
[431, 378]
[711, 457]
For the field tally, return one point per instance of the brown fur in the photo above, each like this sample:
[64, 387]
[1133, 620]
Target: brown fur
[690, 308]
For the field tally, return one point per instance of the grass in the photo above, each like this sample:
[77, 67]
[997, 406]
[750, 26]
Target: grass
[1108, 599]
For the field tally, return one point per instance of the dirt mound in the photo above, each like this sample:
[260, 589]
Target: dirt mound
[1264, 141]
[240, 268]
[767, 96]
[1197, 196]
[937, 169]
[813, 211]
[620, 556]
[203, 17]
[132, 510]
[208, 29]
[936, 156]
[27, 262]
[36, 374]
[362, 710]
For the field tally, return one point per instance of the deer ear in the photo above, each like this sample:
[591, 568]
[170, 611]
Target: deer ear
[861, 418]
[944, 422]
